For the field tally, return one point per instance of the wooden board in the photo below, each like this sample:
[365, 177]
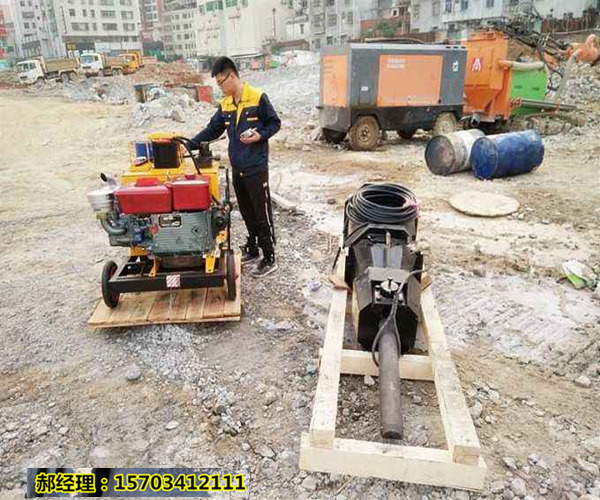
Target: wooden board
[182, 306]
[322, 425]
[460, 465]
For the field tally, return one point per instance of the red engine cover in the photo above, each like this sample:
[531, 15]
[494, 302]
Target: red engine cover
[144, 199]
[191, 194]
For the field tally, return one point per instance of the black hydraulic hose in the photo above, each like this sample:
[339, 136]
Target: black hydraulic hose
[381, 204]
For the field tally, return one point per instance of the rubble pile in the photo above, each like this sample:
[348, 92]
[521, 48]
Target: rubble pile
[176, 73]
[179, 107]
[112, 90]
[583, 86]
[9, 79]
[294, 92]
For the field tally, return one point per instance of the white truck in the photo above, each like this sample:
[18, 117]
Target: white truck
[100, 64]
[41, 70]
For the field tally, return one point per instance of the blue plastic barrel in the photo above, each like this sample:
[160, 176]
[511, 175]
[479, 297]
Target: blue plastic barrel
[507, 154]
[144, 149]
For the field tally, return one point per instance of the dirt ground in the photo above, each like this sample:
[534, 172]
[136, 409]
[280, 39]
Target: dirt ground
[239, 395]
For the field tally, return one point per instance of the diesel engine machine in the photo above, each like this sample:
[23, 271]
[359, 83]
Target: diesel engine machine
[167, 209]
[383, 270]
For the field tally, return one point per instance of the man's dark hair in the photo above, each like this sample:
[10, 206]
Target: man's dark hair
[223, 64]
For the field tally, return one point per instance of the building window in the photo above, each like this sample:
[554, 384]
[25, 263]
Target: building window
[126, 14]
[84, 12]
[318, 44]
[231, 3]
[302, 29]
[489, 3]
[26, 26]
[126, 3]
[331, 19]
[72, 12]
[318, 20]
[92, 13]
[416, 13]
[94, 26]
[329, 40]
[107, 2]
[435, 8]
[109, 26]
[108, 13]
[349, 18]
[448, 6]
[317, 3]
[464, 4]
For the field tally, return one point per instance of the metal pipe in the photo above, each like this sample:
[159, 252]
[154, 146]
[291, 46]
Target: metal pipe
[390, 403]
[522, 66]
[110, 229]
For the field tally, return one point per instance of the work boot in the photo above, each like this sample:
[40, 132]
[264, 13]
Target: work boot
[250, 252]
[265, 267]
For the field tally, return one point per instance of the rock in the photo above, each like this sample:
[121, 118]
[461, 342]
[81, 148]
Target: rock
[592, 445]
[476, 410]
[533, 459]
[517, 486]
[311, 368]
[459, 495]
[369, 381]
[99, 457]
[510, 463]
[480, 271]
[309, 483]
[178, 114]
[173, 424]
[588, 497]
[270, 398]
[588, 467]
[583, 381]
[264, 451]
[497, 487]
[133, 373]
[219, 409]
[40, 431]
[245, 446]
[596, 292]
[63, 430]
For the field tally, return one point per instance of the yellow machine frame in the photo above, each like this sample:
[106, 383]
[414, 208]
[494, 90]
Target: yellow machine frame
[147, 170]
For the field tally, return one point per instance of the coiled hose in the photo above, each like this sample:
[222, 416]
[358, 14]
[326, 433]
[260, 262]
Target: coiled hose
[380, 204]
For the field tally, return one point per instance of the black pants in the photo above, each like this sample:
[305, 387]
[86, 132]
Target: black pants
[254, 200]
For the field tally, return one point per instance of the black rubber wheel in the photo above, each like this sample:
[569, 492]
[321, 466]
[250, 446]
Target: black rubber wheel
[364, 134]
[64, 78]
[333, 136]
[406, 134]
[231, 274]
[111, 299]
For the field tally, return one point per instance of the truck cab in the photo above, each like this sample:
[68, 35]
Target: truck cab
[131, 63]
[92, 64]
[30, 71]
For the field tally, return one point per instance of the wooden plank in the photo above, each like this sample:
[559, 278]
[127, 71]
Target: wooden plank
[461, 437]
[179, 304]
[234, 307]
[411, 366]
[399, 463]
[122, 313]
[101, 314]
[322, 424]
[195, 309]
[142, 308]
[215, 301]
[161, 309]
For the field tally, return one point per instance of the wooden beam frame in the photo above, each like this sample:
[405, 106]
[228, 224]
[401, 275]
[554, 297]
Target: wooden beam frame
[460, 465]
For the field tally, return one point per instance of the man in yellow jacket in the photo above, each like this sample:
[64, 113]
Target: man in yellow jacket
[250, 120]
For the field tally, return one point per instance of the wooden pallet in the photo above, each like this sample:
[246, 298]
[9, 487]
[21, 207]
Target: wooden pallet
[200, 305]
[460, 465]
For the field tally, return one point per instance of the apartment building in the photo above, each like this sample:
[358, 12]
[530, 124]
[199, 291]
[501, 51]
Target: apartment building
[240, 28]
[457, 15]
[58, 28]
[179, 31]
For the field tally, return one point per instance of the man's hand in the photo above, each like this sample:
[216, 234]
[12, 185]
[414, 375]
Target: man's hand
[255, 137]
